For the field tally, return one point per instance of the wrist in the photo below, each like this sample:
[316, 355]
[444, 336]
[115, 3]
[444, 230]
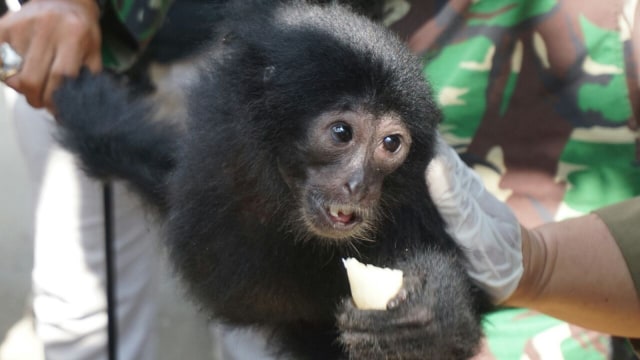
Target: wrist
[537, 262]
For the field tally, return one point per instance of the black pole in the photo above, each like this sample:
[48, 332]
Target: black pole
[112, 314]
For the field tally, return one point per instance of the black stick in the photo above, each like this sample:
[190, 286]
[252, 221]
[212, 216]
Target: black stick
[112, 314]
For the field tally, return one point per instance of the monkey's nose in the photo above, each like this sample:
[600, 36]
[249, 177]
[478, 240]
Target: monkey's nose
[355, 186]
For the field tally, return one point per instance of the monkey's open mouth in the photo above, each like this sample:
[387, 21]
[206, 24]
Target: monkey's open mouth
[342, 215]
[333, 219]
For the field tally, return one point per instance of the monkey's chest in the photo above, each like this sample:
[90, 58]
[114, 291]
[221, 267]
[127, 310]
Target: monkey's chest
[286, 292]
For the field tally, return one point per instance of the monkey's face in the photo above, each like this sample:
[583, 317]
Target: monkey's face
[348, 154]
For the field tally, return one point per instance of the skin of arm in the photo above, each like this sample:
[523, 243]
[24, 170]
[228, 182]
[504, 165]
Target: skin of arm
[574, 270]
[55, 38]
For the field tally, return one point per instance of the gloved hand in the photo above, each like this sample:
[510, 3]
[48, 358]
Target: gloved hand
[482, 225]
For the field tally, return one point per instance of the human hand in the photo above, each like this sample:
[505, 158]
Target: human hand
[485, 228]
[55, 39]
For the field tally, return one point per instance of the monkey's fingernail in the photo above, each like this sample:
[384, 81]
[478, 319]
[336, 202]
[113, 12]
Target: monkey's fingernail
[397, 300]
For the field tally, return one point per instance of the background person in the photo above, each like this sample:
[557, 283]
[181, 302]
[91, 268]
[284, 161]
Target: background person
[56, 38]
[541, 99]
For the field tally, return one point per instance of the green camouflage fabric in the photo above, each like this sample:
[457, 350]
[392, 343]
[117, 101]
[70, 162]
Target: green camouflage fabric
[541, 98]
[140, 20]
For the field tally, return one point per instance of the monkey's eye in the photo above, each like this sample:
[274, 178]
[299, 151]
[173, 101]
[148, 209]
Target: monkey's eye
[341, 132]
[391, 143]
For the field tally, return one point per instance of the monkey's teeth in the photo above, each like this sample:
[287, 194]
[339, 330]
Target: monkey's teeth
[340, 211]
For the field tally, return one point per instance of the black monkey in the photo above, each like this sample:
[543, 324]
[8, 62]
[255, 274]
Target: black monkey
[308, 135]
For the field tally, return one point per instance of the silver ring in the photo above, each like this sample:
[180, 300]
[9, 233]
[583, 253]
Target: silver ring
[10, 62]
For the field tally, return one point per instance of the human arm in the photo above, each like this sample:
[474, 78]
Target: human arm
[55, 38]
[572, 270]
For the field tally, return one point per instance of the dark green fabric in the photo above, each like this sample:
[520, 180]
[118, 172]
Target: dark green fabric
[635, 344]
[541, 99]
[127, 27]
[623, 220]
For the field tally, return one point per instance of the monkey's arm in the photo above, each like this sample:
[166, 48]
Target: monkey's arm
[113, 135]
[435, 316]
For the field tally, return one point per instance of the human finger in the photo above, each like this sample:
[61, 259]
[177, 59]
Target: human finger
[93, 61]
[485, 228]
[31, 80]
[66, 63]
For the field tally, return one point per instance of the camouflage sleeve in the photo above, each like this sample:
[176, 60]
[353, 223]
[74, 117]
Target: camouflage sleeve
[635, 344]
[127, 27]
[142, 18]
[623, 220]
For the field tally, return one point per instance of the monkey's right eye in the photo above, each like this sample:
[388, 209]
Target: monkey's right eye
[341, 132]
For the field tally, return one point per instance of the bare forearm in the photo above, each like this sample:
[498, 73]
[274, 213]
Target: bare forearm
[574, 270]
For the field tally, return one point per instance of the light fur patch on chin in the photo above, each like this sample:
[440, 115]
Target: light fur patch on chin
[372, 287]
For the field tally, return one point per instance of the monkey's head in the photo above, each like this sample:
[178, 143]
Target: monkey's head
[345, 116]
[354, 119]
[347, 154]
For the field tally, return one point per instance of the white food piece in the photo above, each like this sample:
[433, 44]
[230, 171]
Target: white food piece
[372, 287]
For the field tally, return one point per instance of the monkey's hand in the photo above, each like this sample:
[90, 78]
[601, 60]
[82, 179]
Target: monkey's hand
[432, 317]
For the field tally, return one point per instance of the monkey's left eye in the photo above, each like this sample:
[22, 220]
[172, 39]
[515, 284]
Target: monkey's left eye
[341, 132]
[391, 143]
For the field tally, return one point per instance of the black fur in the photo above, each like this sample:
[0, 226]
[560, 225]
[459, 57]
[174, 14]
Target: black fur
[273, 66]
[107, 129]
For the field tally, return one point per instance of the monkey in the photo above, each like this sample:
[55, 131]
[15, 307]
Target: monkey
[308, 132]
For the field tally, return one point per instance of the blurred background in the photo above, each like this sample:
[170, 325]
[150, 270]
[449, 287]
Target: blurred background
[183, 333]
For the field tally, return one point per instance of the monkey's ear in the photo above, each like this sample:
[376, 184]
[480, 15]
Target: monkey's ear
[268, 73]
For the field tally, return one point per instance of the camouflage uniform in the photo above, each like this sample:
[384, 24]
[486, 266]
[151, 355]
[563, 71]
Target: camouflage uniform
[127, 27]
[541, 98]
[68, 291]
